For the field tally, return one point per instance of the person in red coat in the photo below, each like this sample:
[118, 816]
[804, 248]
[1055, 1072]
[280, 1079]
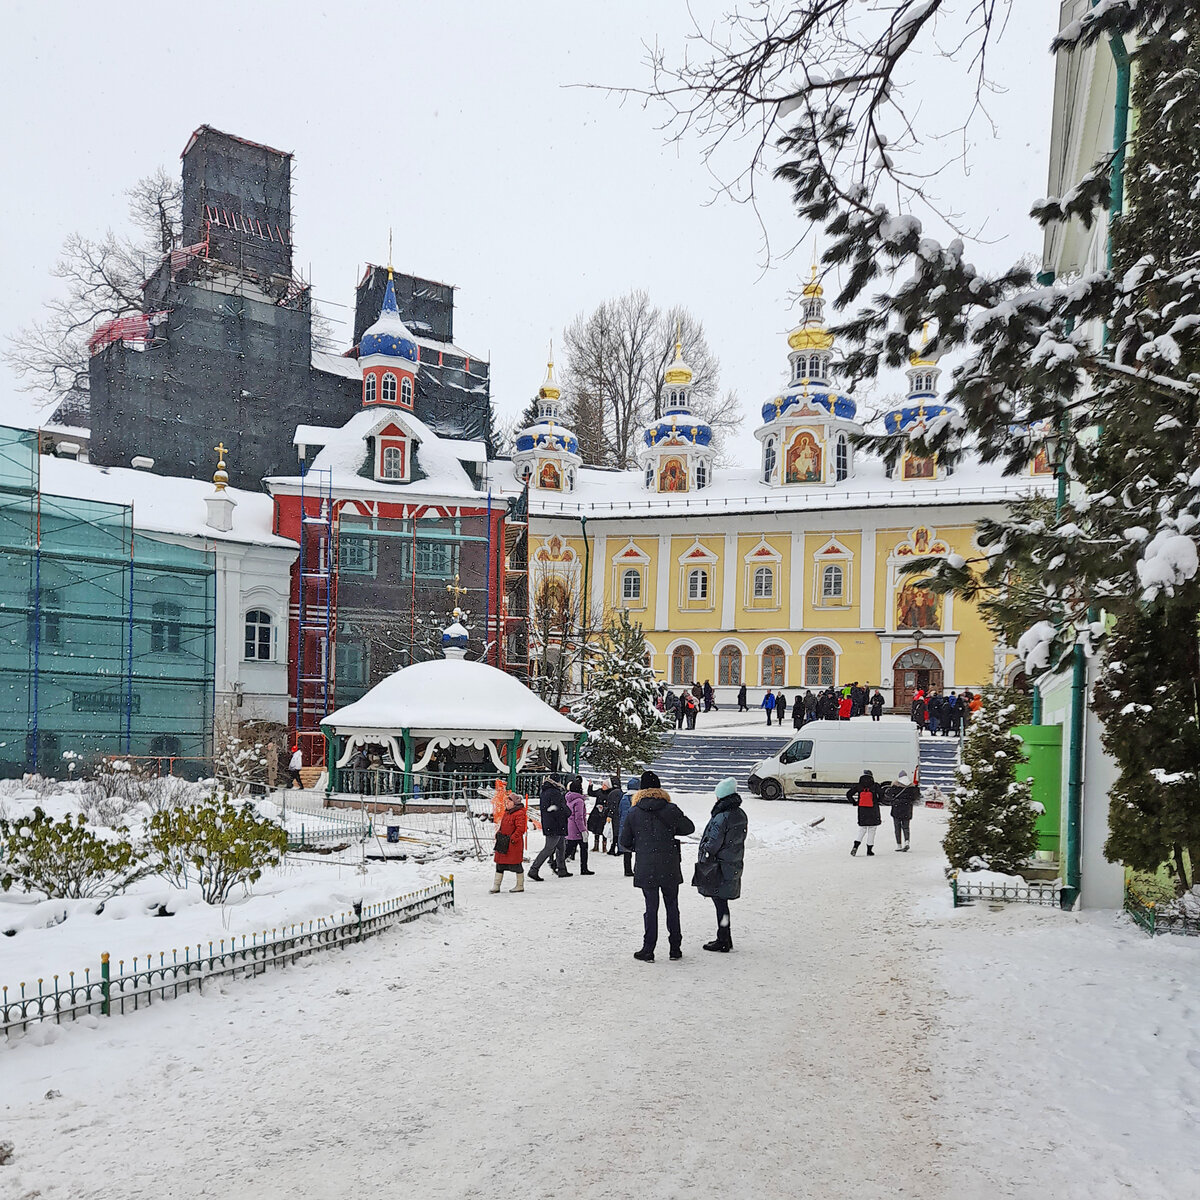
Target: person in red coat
[510, 843]
[845, 708]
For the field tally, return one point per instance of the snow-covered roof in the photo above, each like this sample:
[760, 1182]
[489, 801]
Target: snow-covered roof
[344, 451]
[602, 493]
[337, 364]
[466, 451]
[452, 694]
[164, 503]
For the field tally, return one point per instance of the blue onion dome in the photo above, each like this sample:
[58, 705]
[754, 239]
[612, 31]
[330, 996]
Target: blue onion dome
[455, 637]
[912, 416]
[832, 402]
[389, 335]
[678, 427]
[547, 435]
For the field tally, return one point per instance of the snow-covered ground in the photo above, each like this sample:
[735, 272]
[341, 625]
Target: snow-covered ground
[863, 1040]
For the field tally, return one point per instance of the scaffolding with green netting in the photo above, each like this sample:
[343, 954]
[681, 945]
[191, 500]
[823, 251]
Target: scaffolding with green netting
[107, 635]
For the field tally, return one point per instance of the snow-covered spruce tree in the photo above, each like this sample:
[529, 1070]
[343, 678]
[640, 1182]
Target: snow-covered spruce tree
[625, 729]
[1148, 696]
[991, 815]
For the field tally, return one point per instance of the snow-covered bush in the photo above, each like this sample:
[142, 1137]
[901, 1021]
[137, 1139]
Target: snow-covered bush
[991, 818]
[215, 844]
[64, 858]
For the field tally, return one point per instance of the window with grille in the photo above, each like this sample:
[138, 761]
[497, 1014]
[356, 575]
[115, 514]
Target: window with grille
[832, 583]
[697, 585]
[166, 627]
[406, 392]
[356, 554]
[729, 666]
[842, 458]
[768, 460]
[701, 476]
[258, 635]
[435, 558]
[773, 660]
[683, 666]
[369, 385]
[393, 462]
[818, 667]
[631, 585]
[389, 388]
[764, 583]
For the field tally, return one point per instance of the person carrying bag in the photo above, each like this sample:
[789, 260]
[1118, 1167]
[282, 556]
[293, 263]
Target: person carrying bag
[718, 870]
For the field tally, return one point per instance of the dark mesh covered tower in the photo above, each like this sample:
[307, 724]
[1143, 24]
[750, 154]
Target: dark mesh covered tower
[228, 355]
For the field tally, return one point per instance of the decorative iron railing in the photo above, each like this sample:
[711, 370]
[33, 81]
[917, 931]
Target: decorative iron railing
[1015, 891]
[149, 980]
[1156, 917]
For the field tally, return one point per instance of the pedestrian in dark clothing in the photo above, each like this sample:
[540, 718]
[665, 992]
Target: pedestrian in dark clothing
[954, 715]
[510, 843]
[781, 707]
[876, 705]
[722, 855]
[597, 822]
[742, 706]
[648, 833]
[631, 788]
[810, 707]
[681, 710]
[918, 711]
[903, 797]
[577, 819]
[866, 795]
[693, 708]
[708, 696]
[697, 692]
[933, 710]
[797, 713]
[768, 703]
[553, 806]
[613, 802]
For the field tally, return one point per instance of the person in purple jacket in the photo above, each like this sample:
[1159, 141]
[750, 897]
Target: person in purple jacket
[577, 832]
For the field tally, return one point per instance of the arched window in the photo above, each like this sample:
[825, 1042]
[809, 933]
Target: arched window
[389, 388]
[729, 666]
[369, 384]
[166, 627]
[631, 584]
[818, 667]
[842, 458]
[832, 582]
[815, 370]
[526, 471]
[698, 584]
[701, 476]
[764, 583]
[393, 462]
[406, 392]
[570, 479]
[773, 660]
[683, 666]
[258, 635]
[768, 460]
[650, 475]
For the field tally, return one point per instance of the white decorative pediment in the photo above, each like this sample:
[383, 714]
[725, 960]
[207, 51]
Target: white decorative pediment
[697, 554]
[763, 553]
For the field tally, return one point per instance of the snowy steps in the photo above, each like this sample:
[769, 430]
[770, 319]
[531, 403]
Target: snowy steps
[939, 758]
[697, 762]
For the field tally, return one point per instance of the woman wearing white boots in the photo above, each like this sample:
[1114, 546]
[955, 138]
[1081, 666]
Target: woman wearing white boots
[866, 795]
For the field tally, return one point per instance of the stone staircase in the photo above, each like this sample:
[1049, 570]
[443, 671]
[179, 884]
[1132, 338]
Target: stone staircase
[939, 757]
[697, 762]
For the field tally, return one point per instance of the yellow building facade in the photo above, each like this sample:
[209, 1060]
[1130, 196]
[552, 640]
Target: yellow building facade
[786, 575]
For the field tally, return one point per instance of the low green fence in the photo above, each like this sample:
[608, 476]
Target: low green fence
[1156, 917]
[147, 980]
[1047, 895]
[387, 783]
[327, 831]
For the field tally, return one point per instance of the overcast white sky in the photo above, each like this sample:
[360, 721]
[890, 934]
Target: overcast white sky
[453, 124]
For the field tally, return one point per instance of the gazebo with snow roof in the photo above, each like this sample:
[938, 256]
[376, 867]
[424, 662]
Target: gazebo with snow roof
[436, 706]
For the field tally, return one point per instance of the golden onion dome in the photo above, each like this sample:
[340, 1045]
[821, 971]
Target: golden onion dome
[678, 372]
[810, 337]
[919, 357]
[550, 389]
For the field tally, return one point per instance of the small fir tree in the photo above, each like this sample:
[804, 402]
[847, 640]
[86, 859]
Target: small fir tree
[625, 728]
[991, 817]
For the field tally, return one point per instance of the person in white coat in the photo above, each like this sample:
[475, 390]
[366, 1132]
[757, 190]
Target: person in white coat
[294, 765]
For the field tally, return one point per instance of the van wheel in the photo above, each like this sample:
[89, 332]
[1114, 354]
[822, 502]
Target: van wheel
[771, 790]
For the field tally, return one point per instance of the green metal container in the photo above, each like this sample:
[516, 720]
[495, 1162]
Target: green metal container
[1043, 747]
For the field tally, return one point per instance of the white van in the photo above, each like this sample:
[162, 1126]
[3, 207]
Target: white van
[828, 757]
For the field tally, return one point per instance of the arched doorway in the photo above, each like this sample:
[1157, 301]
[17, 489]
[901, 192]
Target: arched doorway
[913, 670]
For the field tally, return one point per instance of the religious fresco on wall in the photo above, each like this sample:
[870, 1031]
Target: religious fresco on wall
[918, 608]
[549, 477]
[672, 476]
[803, 462]
[916, 467]
[1041, 462]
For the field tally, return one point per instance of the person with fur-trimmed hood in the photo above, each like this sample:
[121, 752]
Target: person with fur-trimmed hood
[648, 832]
[510, 843]
[722, 855]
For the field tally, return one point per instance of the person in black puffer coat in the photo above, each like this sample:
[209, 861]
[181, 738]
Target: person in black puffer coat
[648, 832]
[867, 796]
[553, 804]
[724, 844]
[903, 797]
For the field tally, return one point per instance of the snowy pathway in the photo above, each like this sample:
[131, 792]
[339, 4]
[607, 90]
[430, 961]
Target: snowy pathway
[517, 1049]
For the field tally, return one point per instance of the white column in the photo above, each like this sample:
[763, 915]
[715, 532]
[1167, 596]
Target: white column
[730, 584]
[599, 580]
[796, 582]
[866, 580]
[662, 588]
[948, 655]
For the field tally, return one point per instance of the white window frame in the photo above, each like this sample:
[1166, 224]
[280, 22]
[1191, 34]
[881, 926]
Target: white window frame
[371, 393]
[389, 455]
[761, 574]
[770, 460]
[697, 584]
[631, 595]
[258, 627]
[828, 594]
[388, 391]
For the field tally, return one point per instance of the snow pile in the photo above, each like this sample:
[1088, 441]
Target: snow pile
[1033, 648]
[1168, 561]
[786, 835]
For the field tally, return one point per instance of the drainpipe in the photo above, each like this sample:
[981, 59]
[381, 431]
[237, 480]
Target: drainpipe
[1074, 848]
[587, 563]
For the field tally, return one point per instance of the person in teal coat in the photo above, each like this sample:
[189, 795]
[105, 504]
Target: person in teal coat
[721, 858]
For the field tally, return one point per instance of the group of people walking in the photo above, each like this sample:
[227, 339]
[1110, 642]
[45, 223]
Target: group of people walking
[948, 715]
[831, 704]
[683, 707]
[645, 827]
[869, 798]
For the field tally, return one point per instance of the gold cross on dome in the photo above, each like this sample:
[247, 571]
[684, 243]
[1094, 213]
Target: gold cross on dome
[454, 587]
[220, 449]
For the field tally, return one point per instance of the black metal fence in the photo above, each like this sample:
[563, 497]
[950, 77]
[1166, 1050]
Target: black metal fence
[1014, 891]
